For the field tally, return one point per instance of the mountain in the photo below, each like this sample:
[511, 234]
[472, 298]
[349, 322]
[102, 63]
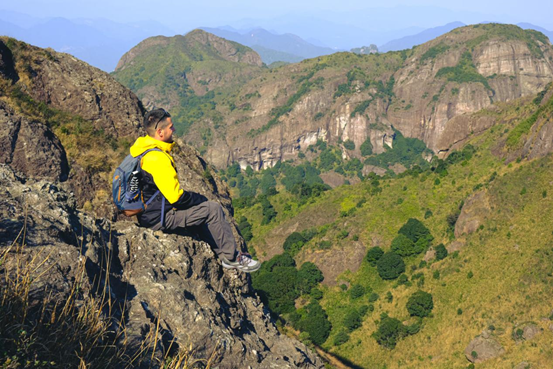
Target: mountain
[408, 42]
[266, 41]
[99, 42]
[111, 284]
[536, 28]
[182, 72]
[485, 273]
[270, 56]
[277, 114]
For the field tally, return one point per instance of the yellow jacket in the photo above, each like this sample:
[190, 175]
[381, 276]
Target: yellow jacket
[160, 164]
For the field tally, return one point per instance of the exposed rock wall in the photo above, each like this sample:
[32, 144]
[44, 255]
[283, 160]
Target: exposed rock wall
[31, 147]
[153, 275]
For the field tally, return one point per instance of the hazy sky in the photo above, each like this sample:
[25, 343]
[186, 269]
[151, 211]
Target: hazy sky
[188, 14]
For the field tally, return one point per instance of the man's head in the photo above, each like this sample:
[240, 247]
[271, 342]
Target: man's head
[158, 125]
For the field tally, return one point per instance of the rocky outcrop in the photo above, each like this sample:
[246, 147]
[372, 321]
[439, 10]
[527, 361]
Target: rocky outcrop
[474, 211]
[170, 282]
[31, 147]
[7, 67]
[482, 348]
[173, 278]
[63, 82]
[427, 103]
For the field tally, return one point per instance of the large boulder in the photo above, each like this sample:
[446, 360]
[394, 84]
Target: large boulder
[173, 283]
[474, 212]
[31, 147]
[482, 348]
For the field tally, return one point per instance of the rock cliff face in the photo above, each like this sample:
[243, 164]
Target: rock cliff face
[31, 147]
[153, 278]
[428, 93]
[48, 93]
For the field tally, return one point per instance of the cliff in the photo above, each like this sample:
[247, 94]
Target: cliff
[51, 106]
[275, 114]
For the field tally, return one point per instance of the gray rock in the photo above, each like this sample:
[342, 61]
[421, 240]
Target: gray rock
[484, 349]
[474, 211]
[31, 147]
[173, 278]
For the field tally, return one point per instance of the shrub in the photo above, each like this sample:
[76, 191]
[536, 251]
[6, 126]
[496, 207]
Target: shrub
[356, 291]
[373, 297]
[389, 296]
[293, 243]
[352, 320]
[366, 147]
[389, 332]
[420, 304]
[349, 145]
[415, 230]
[316, 294]
[441, 252]
[363, 310]
[245, 228]
[373, 255]
[309, 276]
[341, 338]
[390, 266]
[403, 246]
[316, 323]
[413, 328]
[402, 280]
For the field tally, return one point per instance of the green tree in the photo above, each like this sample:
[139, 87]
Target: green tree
[309, 276]
[349, 145]
[415, 230]
[389, 332]
[403, 246]
[390, 266]
[277, 288]
[366, 147]
[420, 304]
[293, 243]
[268, 210]
[352, 320]
[356, 291]
[267, 182]
[441, 252]
[245, 228]
[341, 338]
[373, 255]
[316, 323]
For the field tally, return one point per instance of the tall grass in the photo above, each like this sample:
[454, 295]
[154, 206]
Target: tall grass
[43, 327]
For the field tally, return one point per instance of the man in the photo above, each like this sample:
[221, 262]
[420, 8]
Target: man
[172, 207]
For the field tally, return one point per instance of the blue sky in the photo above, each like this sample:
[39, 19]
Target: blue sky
[189, 14]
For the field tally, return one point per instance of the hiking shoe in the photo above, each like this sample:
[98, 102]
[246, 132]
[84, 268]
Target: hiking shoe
[243, 262]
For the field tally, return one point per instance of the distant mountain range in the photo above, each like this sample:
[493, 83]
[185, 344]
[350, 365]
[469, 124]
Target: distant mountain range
[408, 42]
[99, 42]
[272, 47]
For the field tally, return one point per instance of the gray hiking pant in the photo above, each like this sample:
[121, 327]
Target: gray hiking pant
[209, 219]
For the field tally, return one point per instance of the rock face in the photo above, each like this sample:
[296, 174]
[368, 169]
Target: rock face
[429, 93]
[31, 147]
[481, 349]
[473, 213]
[41, 83]
[173, 277]
[152, 279]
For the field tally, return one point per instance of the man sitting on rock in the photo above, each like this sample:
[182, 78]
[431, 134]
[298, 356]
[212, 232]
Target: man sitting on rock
[172, 207]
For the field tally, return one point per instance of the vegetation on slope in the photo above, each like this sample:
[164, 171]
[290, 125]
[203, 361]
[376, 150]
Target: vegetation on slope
[405, 319]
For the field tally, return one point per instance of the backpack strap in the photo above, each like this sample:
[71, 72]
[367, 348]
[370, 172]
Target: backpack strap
[158, 191]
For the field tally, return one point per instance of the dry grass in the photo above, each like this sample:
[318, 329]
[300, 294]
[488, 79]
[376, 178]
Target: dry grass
[42, 327]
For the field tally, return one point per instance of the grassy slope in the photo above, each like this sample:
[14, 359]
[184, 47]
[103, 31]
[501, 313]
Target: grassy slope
[509, 259]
